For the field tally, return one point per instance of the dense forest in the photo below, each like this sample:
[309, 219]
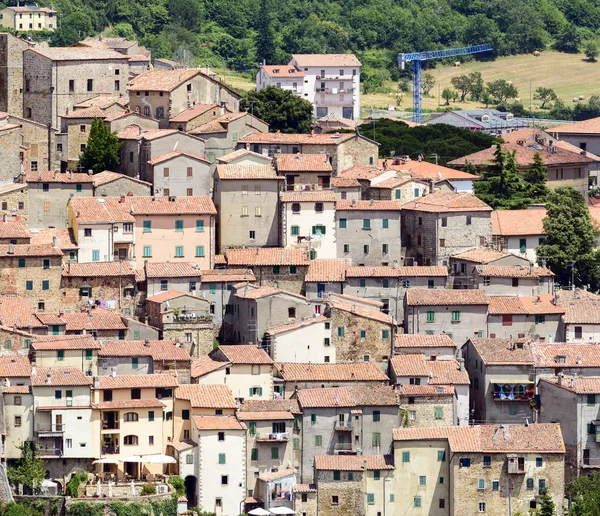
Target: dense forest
[239, 34]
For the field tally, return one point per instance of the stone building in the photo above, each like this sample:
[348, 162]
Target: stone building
[343, 150]
[37, 155]
[77, 351]
[416, 369]
[305, 499]
[11, 72]
[163, 94]
[368, 232]
[195, 116]
[478, 469]
[460, 314]
[442, 224]
[581, 320]
[222, 134]
[346, 421]
[426, 405]
[365, 176]
[75, 127]
[440, 346]
[120, 120]
[244, 157]
[13, 231]
[354, 484]
[14, 200]
[49, 194]
[179, 173]
[308, 222]
[247, 197]
[10, 147]
[84, 73]
[275, 267]
[360, 333]
[403, 189]
[110, 104]
[100, 324]
[113, 184]
[346, 188]
[325, 277]
[304, 171]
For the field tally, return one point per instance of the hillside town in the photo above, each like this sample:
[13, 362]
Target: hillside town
[283, 323]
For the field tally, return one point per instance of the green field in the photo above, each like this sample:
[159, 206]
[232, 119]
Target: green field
[570, 75]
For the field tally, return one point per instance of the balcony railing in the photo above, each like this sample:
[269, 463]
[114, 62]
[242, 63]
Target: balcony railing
[273, 437]
[335, 91]
[343, 447]
[335, 77]
[110, 450]
[50, 429]
[191, 317]
[110, 425]
[343, 426]
[514, 391]
[347, 103]
[50, 452]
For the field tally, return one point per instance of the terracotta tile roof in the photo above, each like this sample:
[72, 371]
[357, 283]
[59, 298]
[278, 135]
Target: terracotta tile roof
[542, 304]
[267, 256]
[354, 396]
[361, 172]
[104, 101]
[539, 437]
[157, 349]
[220, 124]
[573, 355]
[524, 155]
[193, 112]
[580, 309]
[97, 319]
[322, 196]
[332, 60]
[438, 372]
[78, 54]
[407, 340]
[220, 260]
[206, 396]
[357, 299]
[180, 446]
[225, 172]
[353, 462]
[503, 351]
[245, 354]
[359, 372]
[297, 325]
[447, 202]
[17, 312]
[218, 423]
[11, 187]
[51, 342]
[518, 222]
[97, 269]
[298, 139]
[138, 58]
[227, 275]
[396, 272]
[8, 250]
[161, 297]
[499, 305]
[265, 416]
[240, 153]
[48, 376]
[353, 205]
[101, 210]
[270, 476]
[513, 271]
[12, 366]
[49, 319]
[440, 297]
[430, 171]
[360, 311]
[65, 237]
[14, 229]
[31, 9]
[175, 154]
[304, 488]
[142, 381]
[116, 405]
[333, 270]
[589, 126]
[267, 407]
[302, 163]
[481, 255]
[344, 182]
[283, 71]
[90, 112]
[131, 132]
[424, 390]
[161, 80]
[394, 182]
[172, 270]
[16, 389]
[260, 292]
[119, 115]
[205, 365]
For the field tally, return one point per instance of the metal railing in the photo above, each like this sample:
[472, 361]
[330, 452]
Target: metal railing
[277, 437]
[343, 426]
[50, 429]
[343, 447]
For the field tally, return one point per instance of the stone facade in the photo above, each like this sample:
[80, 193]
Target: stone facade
[123, 185]
[286, 279]
[14, 199]
[305, 503]
[11, 73]
[10, 142]
[336, 497]
[420, 411]
[35, 137]
[202, 335]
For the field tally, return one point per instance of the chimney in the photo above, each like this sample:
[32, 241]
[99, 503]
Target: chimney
[122, 199]
[96, 382]
[90, 172]
[54, 242]
[147, 343]
[67, 112]
[48, 378]
[113, 373]
[5, 217]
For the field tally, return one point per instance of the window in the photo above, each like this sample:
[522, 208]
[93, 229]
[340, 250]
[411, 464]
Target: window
[441, 455]
[319, 207]
[398, 194]
[385, 248]
[376, 439]
[318, 230]
[487, 461]
[90, 84]
[295, 207]
[147, 226]
[222, 458]
[430, 316]
[456, 315]
[366, 224]
[376, 475]
[95, 255]
[88, 353]
[539, 462]
[136, 394]
[276, 269]
[540, 319]
[371, 498]
[164, 285]
[179, 251]
[422, 480]
[147, 251]
[218, 502]
[529, 483]
[366, 249]
[417, 501]
[495, 485]
[342, 223]
[523, 245]
[406, 456]
[363, 334]
[151, 415]
[131, 416]
[438, 412]
[512, 410]
[340, 331]
[442, 242]
[179, 225]
[578, 332]
[57, 395]
[130, 440]
[507, 320]
[385, 334]
[313, 419]
[295, 230]
[334, 500]
[254, 453]
[465, 463]
[481, 506]
[60, 354]
[318, 440]
[481, 484]
[17, 420]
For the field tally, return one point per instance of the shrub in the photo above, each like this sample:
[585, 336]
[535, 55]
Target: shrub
[178, 484]
[148, 489]
[86, 509]
[74, 482]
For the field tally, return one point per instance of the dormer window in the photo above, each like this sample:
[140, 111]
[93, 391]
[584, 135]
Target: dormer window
[561, 359]
[485, 118]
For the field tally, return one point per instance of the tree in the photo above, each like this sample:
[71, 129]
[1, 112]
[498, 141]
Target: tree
[265, 34]
[103, 149]
[281, 109]
[465, 84]
[500, 185]
[547, 507]
[584, 493]
[447, 95]
[545, 95]
[502, 90]
[569, 240]
[536, 177]
[591, 52]
[568, 39]
[30, 470]
[427, 83]
[485, 97]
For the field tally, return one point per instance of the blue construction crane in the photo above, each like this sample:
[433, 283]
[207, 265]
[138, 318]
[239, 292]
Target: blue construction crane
[418, 57]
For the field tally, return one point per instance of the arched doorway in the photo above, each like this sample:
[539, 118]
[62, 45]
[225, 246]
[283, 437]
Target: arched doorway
[190, 491]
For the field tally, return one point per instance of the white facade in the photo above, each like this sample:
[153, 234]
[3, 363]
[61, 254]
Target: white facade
[307, 344]
[102, 242]
[582, 333]
[317, 227]
[246, 381]
[278, 76]
[523, 245]
[461, 404]
[213, 495]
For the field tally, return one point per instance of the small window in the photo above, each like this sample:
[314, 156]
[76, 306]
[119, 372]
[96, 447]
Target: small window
[417, 501]
[487, 461]
[366, 224]
[539, 462]
[406, 456]
[335, 500]
[481, 506]
[422, 480]
[222, 458]
[495, 485]
[17, 420]
[441, 455]
[465, 463]
[342, 223]
[295, 207]
[90, 84]
[481, 484]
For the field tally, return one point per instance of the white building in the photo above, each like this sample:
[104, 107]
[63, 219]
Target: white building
[221, 464]
[330, 82]
[519, 231]
[308, 221]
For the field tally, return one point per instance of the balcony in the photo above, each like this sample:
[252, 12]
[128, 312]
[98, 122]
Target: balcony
[50, 452]
[306, 242]
[109, 450]
[273, 437]
[110, 425]
[514, 391]
[346, 103]
[343, 426]
[335, 91]
[344, 448]
[190, 317]
[50, 430]
[335, 77]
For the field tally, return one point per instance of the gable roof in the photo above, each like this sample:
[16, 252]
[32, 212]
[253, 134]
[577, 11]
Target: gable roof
[513, 271]
[167, 350]
[354, 205]
[244, 354]
[172, 270]
[221, 123]
[56, 342]
[406, 340]
[168, 156]
[282, 71]
[297, 325]
[353, 462]
[441, 297]
[268, 409]
[327, 270]
[480, 255]
[97, 319]
[438, 372]
[503, 351]
[360, 311]
[205, 365]
[107, 176]
[328, 60]
[14, 229]
[425, 170]
[323, 196]
[193, 112]
[206, 396]
[218, 423]
[161, 80]
[78, 54]
[358, 372]
[141, 381]
[225, 172]
[267, 256]
[447, 202]
[576, 384]
[12, 366]
[298, 139]
[240, 153]
[382, 271]
[590, 126]
[59, 376]
[352, 396]
[303, 163]
[518, 222]
[97, 269]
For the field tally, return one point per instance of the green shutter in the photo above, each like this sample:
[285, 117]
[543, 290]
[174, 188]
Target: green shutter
[254, 455]
[199, 251]
[274, 453]
[151, 415]
[376, 474]
[385, 334]
[296, 443]
[318, 440]
[179, 225]
[200, 225]
[385, 224]
[371, 498]
[406, 456]
[342, 223]
[260, 391]
[439, 412]
[221, 458]
[88, 354]
[147, 226]
[398, 194]
[60, 354]
[340, 331]
[441, 455]
[337, 475]
[430, 316]
[252, 428]
[95, 255]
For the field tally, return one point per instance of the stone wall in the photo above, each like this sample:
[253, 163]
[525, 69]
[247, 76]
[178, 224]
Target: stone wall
[10, 164]
[17, 201]
[15, 341]
[11, 73]
[309, 507]
[285, 280]
[201, 332]
[34, 136]
[130, 158]
[356, 151]
[350, 495]
[122, 186]
[421, 412]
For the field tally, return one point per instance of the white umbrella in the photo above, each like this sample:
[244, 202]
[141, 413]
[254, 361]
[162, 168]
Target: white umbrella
[133, 458]
[281, 510]
[159, 459]
[98, 488]
[259, 511]
[106, 461]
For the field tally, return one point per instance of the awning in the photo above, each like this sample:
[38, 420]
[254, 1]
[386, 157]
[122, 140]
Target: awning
[596, 422]
[282, 510]
[159, 459]
[259, 512]
[133, 458]
[106, 461]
